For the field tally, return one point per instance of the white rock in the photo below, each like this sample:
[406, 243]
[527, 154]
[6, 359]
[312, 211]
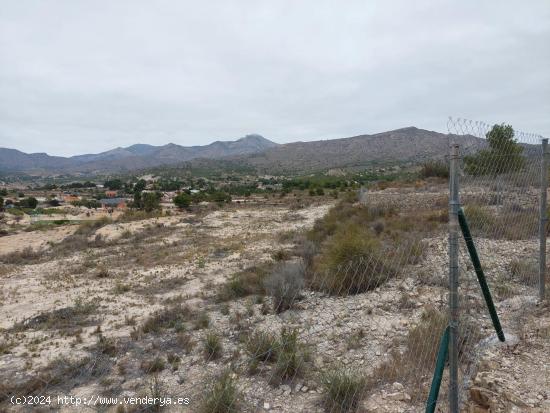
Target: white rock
[267, 406]
[397, 387]
[399, 396]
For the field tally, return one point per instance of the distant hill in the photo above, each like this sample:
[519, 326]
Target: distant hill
[402, 145]
[253, 152]
[134, 157]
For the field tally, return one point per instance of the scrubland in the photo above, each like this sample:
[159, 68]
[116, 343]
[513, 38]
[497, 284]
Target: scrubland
[328, 305]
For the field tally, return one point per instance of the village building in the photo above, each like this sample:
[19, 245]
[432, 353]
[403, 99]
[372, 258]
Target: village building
[113, 203]
[70, 198]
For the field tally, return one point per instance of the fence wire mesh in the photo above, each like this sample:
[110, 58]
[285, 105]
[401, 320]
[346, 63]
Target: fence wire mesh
[500, 194]
[358, 317]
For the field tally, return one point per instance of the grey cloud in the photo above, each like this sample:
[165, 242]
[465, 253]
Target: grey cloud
[84, 76]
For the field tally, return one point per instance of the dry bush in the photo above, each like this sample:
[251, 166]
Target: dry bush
[524, 270]
[290, 356]
[345, 213]
[222, 395]
[244, 283]
[416, 363]
[213, 346]
[153, 365]
[62, 318]
[201, 321]
[511, 224]
[186, 342]
[358, 247]
[438, 169]
[261, 346]
[102, 272]
[89, 227]
[170, 317]
[414, 366]
[61, 371]
[281, 255]
[104, 345]
[351, 262]
[344, 390]
[25, 256]
[285, 350]
[285, 285]
[6, 346]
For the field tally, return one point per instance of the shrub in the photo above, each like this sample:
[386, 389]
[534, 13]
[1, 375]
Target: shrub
[437, 169]
[221, 396]
[410, 249]
[351, 263]
[307, 250]
[153, 365]
[378, 227]
[261, 346]
[479, 218]
[415, 364]
[62, 318]
[423, 339]
[247, 282]
[290, 357]
[106, 345]
[202, 320]
[185, 341]
[212, 346]
[526, 271]
[170, 317]
[343, 390]
[280, 255]
[25, 256]
[102, 272]
[29, 202]
[157, 392]
[182, 200]
[285, 284]
[509, 224]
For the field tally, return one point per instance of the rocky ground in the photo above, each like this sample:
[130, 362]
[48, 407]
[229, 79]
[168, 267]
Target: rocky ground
[75, 319]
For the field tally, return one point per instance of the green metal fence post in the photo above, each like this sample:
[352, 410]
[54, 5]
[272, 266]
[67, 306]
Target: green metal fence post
[480, 274]
[438, 372]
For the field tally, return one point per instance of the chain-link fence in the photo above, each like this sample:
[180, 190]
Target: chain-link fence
[501, 193]
[355, 315]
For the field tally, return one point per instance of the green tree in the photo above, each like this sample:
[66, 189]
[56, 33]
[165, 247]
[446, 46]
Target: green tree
[137, 200]
[220, 197]
[29, 202]
[503, 155]
[113, 184]
[150, 201]
[140, 185]
[182, 200]
[1, 203]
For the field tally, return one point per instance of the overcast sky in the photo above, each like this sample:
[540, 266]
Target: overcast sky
[80, 76]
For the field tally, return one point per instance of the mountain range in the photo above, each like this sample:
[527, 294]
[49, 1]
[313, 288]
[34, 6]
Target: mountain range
[402, 145]
[138, 156]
